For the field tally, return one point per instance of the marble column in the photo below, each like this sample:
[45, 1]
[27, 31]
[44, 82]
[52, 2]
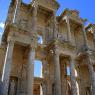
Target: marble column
[85, 38]
[68, 29]
[34, 20]
[44, 88]
[41, 90]
[45, 69]
[91, 74]
[57, 74]
[72, 77]
[7, 67]
[55, 30]
[49, 87]
[94, 37]
[16, 11]
[30, 71]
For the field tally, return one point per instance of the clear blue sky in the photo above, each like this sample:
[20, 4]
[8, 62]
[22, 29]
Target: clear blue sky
[86, 8]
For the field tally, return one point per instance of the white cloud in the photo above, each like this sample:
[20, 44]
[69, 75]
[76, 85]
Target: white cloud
[1, 33]
[0, 36]
[2, 25]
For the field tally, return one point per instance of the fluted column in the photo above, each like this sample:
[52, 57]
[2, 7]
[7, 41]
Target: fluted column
[7, 67]
[57, 74]
[30, 71]
[91, 74]
[72, 77]
[68, 29]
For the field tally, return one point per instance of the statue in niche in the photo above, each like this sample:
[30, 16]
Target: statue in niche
[12, 88]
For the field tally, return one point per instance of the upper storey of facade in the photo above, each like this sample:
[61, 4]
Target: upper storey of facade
[39, 16]
[22, 16]
[20, 12]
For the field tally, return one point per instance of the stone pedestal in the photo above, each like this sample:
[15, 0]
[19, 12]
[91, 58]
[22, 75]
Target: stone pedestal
[57, 74]
[73, 78]
[7, 67]
[30, 72]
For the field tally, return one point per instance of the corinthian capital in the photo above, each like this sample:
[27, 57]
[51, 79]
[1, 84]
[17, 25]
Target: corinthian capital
[10, 42]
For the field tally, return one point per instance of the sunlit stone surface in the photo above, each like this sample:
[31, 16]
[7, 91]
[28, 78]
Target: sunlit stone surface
[62, 47]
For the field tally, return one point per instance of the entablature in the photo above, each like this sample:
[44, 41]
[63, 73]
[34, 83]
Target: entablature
[47, 4]
[65, 47]
[82, 58]
[90, 27]
[72, 15]
[39, 80]
[17, 34]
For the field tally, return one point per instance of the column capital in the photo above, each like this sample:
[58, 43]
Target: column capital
[72, 58]
[10, 42]
[44, 61]
[35, 4]
[32, 47]
[54, 52]
[67, 19]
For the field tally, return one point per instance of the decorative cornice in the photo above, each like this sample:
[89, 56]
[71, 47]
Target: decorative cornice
[72, 14]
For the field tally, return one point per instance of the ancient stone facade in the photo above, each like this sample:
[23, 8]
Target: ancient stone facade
[68, 47]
